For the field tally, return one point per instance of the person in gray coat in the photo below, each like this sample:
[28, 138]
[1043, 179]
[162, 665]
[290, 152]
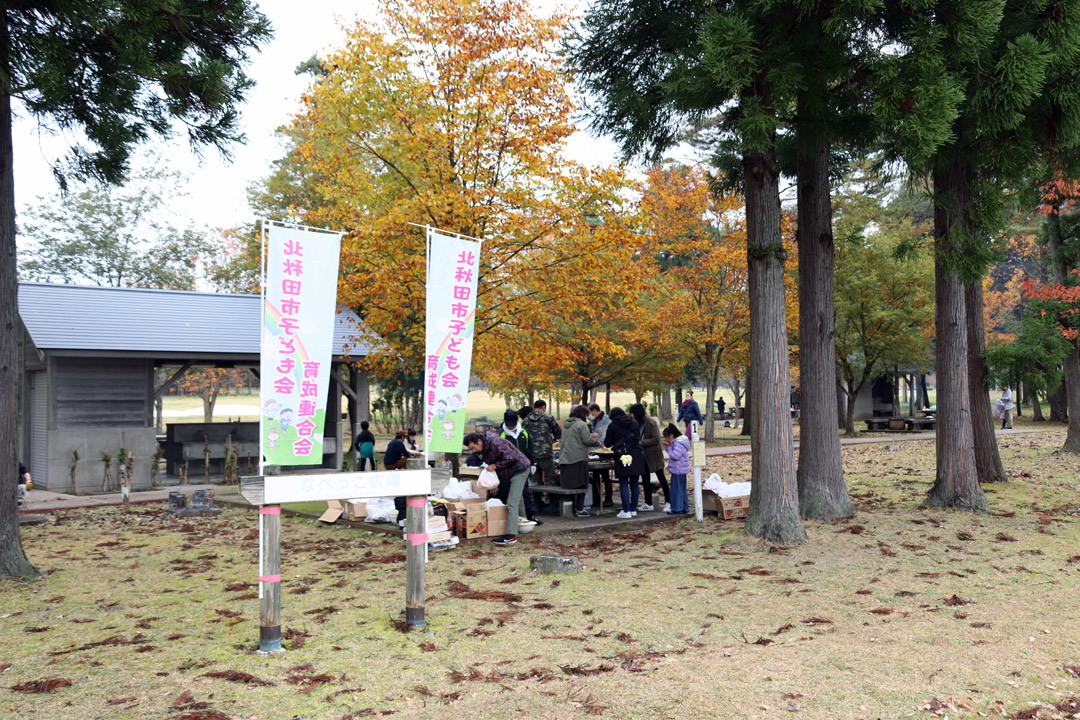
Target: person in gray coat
[574, 455]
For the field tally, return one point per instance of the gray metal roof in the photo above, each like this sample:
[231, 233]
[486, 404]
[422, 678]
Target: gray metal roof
[172, 322]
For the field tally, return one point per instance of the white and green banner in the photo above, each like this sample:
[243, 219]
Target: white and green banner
[299, 312]
[453, 265]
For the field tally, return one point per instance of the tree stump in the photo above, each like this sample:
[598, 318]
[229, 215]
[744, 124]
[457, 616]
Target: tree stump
[548, 564]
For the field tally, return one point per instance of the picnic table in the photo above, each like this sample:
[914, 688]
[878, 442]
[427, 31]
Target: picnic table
[900, 424]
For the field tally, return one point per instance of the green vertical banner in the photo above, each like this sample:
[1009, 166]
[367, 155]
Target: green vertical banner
[299, 312]
[453, 265]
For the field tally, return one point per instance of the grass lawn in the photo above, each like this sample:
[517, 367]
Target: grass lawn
[899, 611]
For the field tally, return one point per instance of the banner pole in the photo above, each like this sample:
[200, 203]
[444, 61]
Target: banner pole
[262, 339]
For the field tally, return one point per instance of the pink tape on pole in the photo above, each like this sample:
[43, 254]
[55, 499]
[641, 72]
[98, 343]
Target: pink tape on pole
[270, 510]
[416, 538]
[269, 578]
[416, 502]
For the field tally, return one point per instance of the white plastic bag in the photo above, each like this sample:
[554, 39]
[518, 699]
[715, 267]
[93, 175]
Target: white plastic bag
[495, 502]
[488, 479]
[381, 510]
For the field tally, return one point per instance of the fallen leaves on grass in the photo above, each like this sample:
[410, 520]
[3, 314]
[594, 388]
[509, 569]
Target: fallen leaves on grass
[237, 676]
[462, 591]
[295, 638]
[583, 670]
[44, 685]
[306, 680]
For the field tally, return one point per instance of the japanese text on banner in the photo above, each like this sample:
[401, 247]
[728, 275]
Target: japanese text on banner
[451, 315]
[299, 314]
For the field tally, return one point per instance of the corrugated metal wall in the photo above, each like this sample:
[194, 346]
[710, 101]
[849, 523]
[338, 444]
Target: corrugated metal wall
[101, 392]
[39, 427]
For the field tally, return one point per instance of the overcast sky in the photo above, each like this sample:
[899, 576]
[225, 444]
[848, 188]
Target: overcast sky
[217, 190]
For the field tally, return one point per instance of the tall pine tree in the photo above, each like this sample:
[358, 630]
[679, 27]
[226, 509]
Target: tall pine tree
[120, 72]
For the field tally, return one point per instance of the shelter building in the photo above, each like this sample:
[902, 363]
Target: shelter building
[87, 358]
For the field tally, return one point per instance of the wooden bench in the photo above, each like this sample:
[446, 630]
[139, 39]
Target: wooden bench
[566, 506]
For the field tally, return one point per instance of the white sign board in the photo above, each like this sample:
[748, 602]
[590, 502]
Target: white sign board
[279, 489]
[699, 454]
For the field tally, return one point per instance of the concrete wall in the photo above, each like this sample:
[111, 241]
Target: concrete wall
[90, 442]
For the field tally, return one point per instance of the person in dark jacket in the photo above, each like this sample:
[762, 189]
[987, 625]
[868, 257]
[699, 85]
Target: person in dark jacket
[515, 433]
[689, 411]
[396, 453]
[365, 445]
[649, 435]
[599, 423]
[507, 461]
[622, 438]
[544, 431]
[396, 458]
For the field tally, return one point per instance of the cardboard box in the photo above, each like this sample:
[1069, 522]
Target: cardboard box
[710, 501]
[470, 517]
[482, 492]
[896, 424]
[333, 512]
[356, 510]
[734, 507]
[439, 536]
[496, 518]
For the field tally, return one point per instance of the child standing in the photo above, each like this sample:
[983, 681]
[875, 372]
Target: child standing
[678, 449]
[365, 444]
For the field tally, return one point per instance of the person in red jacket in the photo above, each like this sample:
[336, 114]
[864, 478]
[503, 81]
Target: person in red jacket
[510, 464]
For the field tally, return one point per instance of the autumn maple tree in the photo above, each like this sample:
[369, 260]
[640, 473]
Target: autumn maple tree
[697, 242]
[451, 114]
[1061, 301]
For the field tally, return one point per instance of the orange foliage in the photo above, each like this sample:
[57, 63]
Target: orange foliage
[453, 113]
[1066, 299]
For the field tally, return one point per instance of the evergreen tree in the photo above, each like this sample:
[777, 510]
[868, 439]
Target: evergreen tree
[119, 72]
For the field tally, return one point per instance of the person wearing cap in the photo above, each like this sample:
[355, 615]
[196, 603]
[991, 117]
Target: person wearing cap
[515, 433]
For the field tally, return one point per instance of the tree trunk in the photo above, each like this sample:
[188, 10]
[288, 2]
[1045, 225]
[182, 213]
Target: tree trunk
[1056, 400]
[849, 418]
[822, 492]
[13, 562]
[987, 458]
[678, 400]
[665, 399]
[712, 372]
[159, 411]
[1072, 392]
[208, 402]
[774, 498]
[607, 398]
[924, 395]
[957, 482]
[1036, 408]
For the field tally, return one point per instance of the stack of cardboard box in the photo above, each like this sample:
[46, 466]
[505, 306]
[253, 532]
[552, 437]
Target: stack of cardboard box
[473, 518]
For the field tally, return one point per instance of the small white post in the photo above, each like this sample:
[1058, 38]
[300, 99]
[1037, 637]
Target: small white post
[699, 514]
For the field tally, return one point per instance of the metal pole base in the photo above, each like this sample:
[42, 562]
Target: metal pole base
[415, 617]
[270, 640]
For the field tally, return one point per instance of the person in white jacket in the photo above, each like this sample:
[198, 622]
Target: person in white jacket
[1005, 407]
